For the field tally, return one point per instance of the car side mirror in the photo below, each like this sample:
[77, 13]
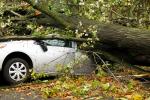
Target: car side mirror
[42, 44]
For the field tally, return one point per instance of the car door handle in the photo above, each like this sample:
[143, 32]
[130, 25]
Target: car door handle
[70, 52]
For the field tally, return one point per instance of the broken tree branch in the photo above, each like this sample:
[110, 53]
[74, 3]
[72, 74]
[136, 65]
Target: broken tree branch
[15, 13]
[9, 38]
[43, 7]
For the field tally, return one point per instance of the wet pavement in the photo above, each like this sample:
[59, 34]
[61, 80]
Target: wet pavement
[28, 95]
[7, 94]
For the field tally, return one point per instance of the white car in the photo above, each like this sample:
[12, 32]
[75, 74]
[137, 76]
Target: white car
[17, 58]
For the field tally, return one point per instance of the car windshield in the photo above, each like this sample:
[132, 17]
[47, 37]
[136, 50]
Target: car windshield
[60, 43]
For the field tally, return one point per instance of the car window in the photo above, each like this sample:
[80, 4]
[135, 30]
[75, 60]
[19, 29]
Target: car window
[60, 43]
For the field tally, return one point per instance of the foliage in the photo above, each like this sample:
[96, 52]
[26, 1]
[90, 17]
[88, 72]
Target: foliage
[81, 87]
[37, 76]
[132, 13]
[90, 87]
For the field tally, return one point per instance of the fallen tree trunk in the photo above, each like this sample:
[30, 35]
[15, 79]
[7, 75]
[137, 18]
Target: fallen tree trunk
[134, 43]
[131, 45]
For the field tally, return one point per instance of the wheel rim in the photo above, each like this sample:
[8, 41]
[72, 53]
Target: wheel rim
[17, 71]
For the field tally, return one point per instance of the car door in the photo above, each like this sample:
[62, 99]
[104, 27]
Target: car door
[58, 54]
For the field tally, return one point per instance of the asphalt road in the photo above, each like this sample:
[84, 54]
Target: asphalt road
[7, 94]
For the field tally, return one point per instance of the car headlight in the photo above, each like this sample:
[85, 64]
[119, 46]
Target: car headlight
[2, 45]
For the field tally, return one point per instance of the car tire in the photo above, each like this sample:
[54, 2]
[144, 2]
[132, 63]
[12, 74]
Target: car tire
[16, 70]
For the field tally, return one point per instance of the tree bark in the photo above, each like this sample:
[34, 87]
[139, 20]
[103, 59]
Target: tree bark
[132, 42]
[28, 37]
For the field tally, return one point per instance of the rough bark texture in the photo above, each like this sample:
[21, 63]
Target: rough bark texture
[134, 43]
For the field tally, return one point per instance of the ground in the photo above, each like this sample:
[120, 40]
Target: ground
[100, 86]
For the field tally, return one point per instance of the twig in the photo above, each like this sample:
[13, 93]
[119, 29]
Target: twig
[138, 76]
[118, 14]
[17, 14]
[109, 70]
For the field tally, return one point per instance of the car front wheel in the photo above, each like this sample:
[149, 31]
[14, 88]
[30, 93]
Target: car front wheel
[16, 70]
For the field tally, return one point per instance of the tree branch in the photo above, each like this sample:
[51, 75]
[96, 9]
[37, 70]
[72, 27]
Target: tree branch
[42, 5]
[8, 38]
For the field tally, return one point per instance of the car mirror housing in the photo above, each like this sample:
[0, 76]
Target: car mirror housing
[42, 44]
